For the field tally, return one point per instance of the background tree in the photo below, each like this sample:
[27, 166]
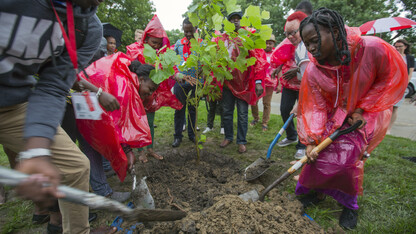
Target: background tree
[127, 15]
[174, 35]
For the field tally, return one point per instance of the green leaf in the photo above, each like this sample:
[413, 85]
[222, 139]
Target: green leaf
[193, 18]
[228, 26]
[265, 15]
[255, 21]
[193, 8]
[260, 44]
[231, 6]
[200, 146]
[203, 138]
[251, 61]
[253, 11]
[244, 22]
[265, 32]
[217, 20]
[150, 54]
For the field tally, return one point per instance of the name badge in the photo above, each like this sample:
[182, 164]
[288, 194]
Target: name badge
[86, 106]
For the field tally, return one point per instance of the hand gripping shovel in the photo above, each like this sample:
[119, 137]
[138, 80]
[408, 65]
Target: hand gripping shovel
[254, 195]
[261, 165]
[13, 178]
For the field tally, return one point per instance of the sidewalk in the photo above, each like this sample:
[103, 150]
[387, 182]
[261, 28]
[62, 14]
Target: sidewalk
[405, 125]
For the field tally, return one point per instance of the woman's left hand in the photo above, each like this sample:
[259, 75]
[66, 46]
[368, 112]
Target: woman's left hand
[355, 117]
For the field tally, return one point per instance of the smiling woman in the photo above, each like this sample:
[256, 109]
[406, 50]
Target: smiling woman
[336, 92]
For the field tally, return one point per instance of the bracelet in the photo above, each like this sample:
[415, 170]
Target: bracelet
[99, 92]
[33, 153]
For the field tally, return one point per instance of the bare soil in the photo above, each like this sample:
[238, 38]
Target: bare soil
[208, 191]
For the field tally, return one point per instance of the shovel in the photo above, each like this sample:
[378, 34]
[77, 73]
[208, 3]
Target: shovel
[261, 165]
[13, 178]
[253, 195]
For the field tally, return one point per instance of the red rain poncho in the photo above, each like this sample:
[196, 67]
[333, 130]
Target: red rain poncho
[163, 95]
[128, 124]
[243, 85]
[285, 54]
[374, 81]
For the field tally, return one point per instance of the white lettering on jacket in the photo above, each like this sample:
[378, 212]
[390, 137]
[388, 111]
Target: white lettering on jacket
[27, 41]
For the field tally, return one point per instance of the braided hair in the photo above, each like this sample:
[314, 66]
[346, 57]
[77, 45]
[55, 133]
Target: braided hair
[330, 19]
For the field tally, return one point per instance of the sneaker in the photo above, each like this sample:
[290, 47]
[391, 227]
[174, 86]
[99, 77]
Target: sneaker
[120, 196]
[348, 219]
[222, 132]
[286, 142]
[207, 130]
[184, 128]
[300, 153]
[197, 128]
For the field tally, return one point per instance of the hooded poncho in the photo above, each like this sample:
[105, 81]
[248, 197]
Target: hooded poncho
[374, 81]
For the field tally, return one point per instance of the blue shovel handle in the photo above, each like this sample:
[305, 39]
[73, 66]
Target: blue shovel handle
[279, 134]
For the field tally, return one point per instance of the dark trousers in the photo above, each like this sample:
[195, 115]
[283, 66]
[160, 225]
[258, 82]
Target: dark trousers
[214, 106]
[181, 91]
[288, 100]
[228, 102]
[98, 180]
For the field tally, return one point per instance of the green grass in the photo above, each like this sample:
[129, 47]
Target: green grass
[388, 204]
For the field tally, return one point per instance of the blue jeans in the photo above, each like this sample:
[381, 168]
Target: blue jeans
[181, 91]
[228, 102]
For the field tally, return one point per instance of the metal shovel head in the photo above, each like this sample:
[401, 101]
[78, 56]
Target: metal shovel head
[257, 168]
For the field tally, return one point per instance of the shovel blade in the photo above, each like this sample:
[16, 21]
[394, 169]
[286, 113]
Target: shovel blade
[257, 168]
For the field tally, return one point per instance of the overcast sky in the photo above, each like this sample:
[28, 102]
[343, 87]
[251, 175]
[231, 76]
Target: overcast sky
[170, 12]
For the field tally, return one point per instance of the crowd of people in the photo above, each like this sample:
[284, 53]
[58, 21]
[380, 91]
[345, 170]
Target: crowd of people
[329, 76]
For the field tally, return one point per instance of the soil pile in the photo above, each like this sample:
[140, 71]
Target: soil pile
[208, 191]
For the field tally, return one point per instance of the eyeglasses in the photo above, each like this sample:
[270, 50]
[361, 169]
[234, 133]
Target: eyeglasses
[400, 46]
[287, 34]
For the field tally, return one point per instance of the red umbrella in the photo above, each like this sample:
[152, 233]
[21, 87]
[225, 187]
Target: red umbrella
[386, 25]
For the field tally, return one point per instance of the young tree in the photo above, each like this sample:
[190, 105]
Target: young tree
[212, 58]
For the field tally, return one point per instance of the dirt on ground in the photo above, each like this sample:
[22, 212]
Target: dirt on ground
[208, 191]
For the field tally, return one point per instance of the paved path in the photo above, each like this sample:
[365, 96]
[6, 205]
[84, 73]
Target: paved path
[405, 125]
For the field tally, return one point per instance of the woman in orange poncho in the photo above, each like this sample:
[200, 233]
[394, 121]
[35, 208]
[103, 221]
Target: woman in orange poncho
[349, 78]
[155, 36]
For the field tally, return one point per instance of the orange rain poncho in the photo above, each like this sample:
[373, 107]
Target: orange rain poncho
[374, 81]
[163, 95]
[127, 125]
[243, 85]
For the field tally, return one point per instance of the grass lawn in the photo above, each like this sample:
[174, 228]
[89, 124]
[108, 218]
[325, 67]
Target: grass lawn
[387, 206]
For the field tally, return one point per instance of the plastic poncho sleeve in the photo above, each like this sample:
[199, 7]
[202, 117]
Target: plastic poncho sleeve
[128, 125]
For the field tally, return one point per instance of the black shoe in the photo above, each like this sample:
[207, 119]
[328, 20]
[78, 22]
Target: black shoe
[53, 229]
[310, 199]
[176, 142]
[348, 219]
[40, 219]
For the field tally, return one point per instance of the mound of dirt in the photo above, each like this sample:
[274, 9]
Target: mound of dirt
[208, 191]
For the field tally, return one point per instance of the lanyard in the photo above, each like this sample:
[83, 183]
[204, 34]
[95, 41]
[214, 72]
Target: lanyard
[70, 43]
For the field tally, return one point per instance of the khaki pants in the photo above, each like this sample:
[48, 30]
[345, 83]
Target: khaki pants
[73, 165]
[267, 99]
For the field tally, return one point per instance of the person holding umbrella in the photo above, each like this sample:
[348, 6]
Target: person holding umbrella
[113, 36]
